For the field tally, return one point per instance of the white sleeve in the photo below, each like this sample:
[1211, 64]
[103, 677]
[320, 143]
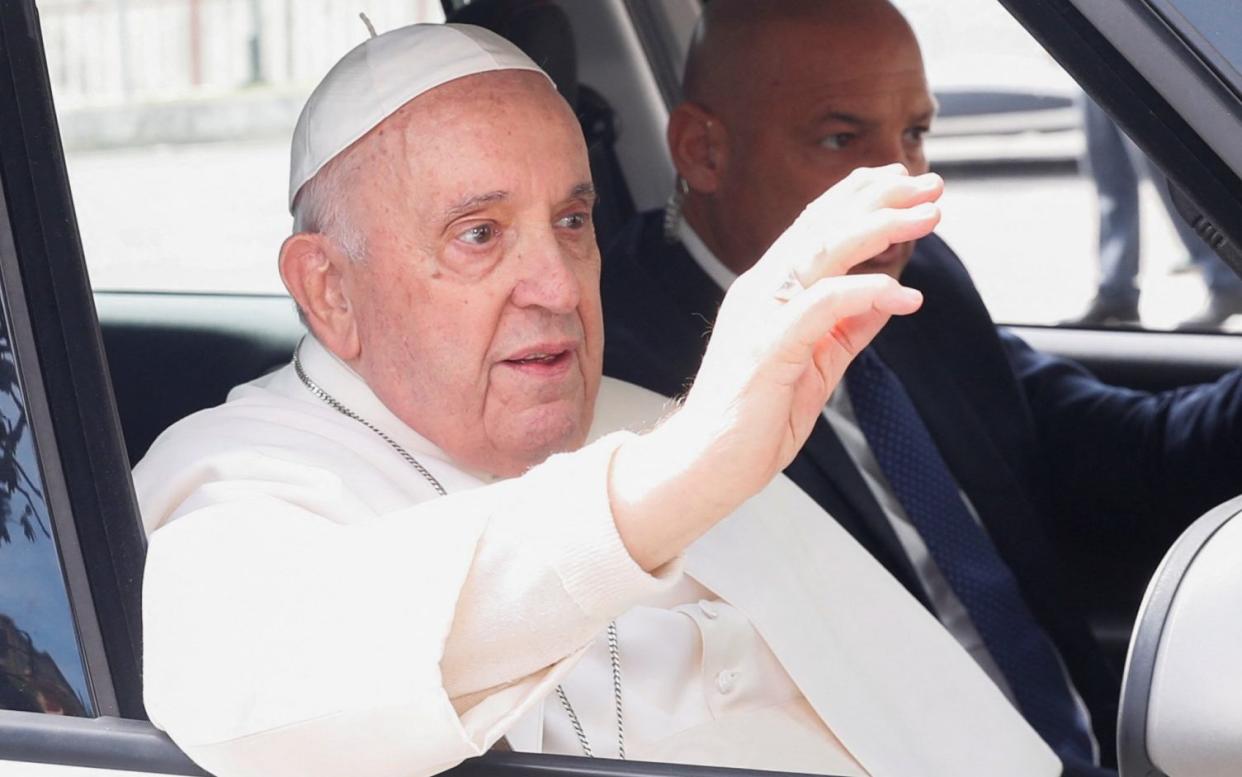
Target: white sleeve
[278, 642]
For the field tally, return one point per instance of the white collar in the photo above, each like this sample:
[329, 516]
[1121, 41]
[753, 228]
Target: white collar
[703, 256]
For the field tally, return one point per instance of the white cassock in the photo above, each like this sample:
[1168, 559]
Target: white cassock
[311, 607]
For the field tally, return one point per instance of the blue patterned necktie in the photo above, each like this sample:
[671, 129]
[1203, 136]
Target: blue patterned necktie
[965, 555]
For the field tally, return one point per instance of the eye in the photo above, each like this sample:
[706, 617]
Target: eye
[478, 235]
[838, 141]
[917, 134]
[574, 221]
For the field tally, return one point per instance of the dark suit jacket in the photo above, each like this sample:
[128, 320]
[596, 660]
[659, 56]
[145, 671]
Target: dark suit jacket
[1048, 455]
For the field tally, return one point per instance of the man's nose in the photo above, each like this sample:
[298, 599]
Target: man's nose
[547, 277]
[896, 149]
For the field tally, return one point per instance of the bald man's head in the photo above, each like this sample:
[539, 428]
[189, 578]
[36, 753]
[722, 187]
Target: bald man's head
[783, 98]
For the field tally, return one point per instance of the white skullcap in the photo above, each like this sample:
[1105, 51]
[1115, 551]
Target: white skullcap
[384, 73]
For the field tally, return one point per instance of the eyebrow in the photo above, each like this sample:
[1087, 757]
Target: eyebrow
[858, 121]
[583, 191]
[844, 118]
[473, 203]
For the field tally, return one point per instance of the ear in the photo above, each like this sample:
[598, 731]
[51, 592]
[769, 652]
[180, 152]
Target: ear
[315, 273]
[699, 145]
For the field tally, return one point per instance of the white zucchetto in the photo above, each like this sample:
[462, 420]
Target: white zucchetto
[380, 75]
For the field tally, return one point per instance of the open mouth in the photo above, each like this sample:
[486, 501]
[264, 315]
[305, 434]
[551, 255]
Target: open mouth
[542, 361]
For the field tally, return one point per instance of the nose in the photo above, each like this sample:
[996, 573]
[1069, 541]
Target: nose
[547, 277]
[896, 148]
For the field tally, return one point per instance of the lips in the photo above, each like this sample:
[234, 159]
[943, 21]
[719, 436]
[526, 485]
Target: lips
[546, 360]
[538, 358]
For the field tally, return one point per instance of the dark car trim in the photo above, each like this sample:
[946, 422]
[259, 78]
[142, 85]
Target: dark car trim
[1109, 77]
[100, 743]
[113, 743]
[70, 352]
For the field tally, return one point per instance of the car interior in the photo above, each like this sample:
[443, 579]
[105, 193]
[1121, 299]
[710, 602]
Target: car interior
[617, 62]
[170, 355]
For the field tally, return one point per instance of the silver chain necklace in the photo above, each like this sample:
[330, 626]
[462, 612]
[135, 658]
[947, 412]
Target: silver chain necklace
[614, 651]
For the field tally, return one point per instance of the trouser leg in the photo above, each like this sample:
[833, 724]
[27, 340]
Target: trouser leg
[1110, 164]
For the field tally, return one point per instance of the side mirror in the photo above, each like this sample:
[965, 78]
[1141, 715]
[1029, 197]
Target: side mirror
[1181, 699]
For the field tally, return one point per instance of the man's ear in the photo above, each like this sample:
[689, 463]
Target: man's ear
[698, 143]
[314, 272]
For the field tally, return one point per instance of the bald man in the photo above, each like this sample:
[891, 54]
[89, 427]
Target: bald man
[956, 454]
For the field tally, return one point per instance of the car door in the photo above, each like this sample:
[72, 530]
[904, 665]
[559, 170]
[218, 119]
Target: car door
[70, 552]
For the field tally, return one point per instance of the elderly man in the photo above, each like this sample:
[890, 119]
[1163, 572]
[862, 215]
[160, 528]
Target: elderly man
[957, 455]
[374, 561]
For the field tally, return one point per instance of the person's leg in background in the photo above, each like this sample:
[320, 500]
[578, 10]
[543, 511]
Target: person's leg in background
[1110, 164]
[1224, 287]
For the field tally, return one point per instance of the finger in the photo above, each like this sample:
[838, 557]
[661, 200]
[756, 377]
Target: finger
[816, 312]
[850, 336]
[860, 177]
[821, 240]
[880, 188]
[866, 238]
[836, 351]
[902, 191]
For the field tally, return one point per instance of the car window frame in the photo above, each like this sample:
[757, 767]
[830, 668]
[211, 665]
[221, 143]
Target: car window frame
[72, 416]
[64, 357]
[1107, 47]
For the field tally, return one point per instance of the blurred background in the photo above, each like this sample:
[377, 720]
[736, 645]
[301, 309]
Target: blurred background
[176, 117]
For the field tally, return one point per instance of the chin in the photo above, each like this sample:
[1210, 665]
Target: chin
[533, 440]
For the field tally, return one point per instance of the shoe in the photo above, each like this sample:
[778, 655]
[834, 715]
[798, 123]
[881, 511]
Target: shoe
[1107, 312]
[1186, 265]
[1218, 310]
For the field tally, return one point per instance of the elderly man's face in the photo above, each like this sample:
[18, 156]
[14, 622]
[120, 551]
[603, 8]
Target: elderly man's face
[825, 96]
[477, 304]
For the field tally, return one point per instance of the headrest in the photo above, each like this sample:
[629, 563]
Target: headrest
[1181, 704]
[540, 28]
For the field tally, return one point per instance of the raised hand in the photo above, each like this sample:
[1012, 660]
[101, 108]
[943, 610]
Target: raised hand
[785, 333]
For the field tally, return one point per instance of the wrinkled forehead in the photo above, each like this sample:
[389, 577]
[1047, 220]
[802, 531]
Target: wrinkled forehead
[506, 131]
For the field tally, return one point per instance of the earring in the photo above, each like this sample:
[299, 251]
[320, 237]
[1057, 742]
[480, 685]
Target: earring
[672, 209]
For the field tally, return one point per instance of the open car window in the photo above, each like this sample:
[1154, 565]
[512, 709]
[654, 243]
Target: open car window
[134, 227]
[165, 107]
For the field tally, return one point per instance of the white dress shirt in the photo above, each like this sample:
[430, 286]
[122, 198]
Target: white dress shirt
[839, 413]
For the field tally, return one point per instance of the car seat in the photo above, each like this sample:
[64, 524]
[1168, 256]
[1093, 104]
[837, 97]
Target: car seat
[543, 31]
[1181, 702]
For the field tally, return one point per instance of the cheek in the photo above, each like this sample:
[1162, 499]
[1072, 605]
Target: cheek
[590, 308]
[434, 342]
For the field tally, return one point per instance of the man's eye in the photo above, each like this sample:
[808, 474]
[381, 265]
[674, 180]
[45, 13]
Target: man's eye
[917, 134]
[479, 234]
[838, 141]
[573, 221]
